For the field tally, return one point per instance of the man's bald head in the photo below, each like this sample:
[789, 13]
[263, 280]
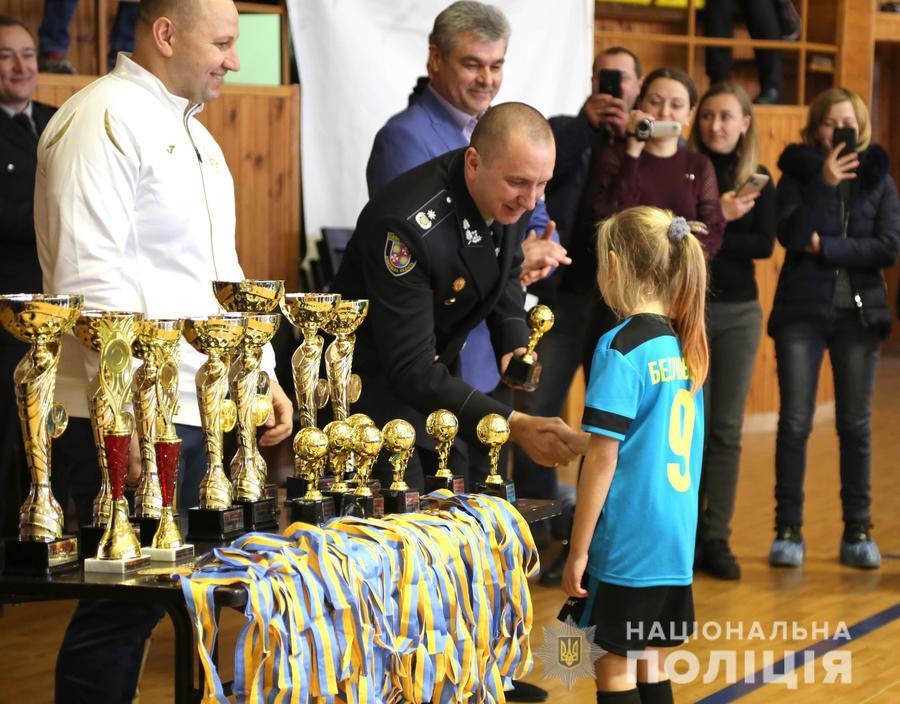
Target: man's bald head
[509, 162]
[493, 132]
[182, 12]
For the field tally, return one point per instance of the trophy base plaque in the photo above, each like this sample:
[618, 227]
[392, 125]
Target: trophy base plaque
[148, 528]
[506, 491]
[89, 538]
[314, 512]
[362, 506]
[215, 524]
[296, 487]
[40, 558]
[403, 501]
[185, 552]
[456, 484]
[259, 515]
[522, 375]
[92, 564]
[337, 497]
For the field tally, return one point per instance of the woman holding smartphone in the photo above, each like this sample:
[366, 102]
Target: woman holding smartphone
[648, 169]
[839, 220]
[724, 130]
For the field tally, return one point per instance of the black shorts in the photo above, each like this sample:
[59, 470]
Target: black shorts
[633, 618]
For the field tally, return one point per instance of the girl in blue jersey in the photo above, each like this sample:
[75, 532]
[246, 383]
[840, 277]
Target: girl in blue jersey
[630, 564]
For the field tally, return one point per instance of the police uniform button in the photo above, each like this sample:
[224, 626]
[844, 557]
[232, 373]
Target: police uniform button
[450, 301]
[10, 167]
[458, 284]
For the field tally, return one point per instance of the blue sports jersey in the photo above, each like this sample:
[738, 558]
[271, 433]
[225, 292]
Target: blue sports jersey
[640, 394]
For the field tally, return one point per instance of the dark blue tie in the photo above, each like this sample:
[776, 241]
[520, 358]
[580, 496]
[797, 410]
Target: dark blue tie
[23, 121]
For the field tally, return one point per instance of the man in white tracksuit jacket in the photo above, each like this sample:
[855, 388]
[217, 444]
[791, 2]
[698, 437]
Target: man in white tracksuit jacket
[134, 209]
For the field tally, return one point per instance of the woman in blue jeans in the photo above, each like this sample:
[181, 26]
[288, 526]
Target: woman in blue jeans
[839, 220]
[725, 131]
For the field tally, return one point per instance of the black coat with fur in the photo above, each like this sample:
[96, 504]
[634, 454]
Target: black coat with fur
[806, 203]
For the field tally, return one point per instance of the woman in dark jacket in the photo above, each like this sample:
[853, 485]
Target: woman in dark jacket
[839, 220]
[725, 131]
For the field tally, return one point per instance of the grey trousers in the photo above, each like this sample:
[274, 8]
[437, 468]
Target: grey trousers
[734, 331]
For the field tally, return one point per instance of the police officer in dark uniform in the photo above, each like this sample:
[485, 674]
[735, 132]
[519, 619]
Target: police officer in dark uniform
[436, 252]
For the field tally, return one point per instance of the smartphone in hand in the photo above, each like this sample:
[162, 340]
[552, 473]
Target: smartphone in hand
[609, 82]
[754, 184]
[845, 136]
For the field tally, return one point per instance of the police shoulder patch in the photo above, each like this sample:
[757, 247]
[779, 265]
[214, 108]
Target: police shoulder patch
[397, 257]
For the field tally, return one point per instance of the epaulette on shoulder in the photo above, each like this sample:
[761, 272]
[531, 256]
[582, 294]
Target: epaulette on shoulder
[433, 212]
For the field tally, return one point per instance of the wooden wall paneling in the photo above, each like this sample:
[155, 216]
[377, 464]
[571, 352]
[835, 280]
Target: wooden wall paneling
[855, 36]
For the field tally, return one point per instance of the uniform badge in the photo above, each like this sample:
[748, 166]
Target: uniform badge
[458, 284]
[423, 220]
[397, 257]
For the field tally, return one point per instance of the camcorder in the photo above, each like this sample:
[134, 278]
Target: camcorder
[647, 129]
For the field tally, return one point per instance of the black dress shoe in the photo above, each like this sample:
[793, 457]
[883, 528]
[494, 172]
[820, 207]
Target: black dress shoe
[525, 692]
[768, 96]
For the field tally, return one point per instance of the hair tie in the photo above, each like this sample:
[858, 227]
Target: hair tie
[678, 228]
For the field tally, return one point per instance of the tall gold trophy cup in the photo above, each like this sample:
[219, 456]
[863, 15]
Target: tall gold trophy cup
[344, 387]
[309, 312]
[112, 334]
[40, 321]
[219, 338]
[155, 401]
[493, 432]
[259, 300]
[442, 426]
[400, 442]
[524, 371]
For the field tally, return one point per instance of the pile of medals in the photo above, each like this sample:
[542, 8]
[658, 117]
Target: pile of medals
[416, 607]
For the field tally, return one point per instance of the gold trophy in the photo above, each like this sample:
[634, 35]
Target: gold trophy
[353, 476]
[113, 333]
[40, 321]
[310, 455]
[309, 312]
[340, 444]
[400, 441]
[344, 387]
[218, 337]
[524, 371]
[155, 401]
[259, 299]
[493, 432]
[362, 502]
[442, 426]
[154, 340]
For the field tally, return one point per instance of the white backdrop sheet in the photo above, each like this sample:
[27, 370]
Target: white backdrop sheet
[359, 60]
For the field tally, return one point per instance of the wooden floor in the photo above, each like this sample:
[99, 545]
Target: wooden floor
[821, 593]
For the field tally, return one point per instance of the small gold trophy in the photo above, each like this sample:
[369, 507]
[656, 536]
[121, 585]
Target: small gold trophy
[310, 454]
[493, 432]
[40, 321]
[400, 441]
[353, 475]
[524, 371]
[155, 390]
[119, 550]
[442, 426]
[259, 299]
[340, 444]
[309, 312]
[362, 502]
[343, 386]
[218, 337]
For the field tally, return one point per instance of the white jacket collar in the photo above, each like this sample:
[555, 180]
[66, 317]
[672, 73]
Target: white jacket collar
[128, 70]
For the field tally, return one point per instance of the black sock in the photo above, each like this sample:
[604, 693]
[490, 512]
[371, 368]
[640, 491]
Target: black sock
[656, 692]
[629, 697]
